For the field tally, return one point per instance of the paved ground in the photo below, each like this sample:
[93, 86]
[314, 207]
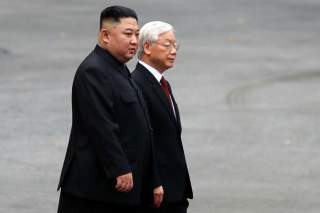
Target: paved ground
[247, 81]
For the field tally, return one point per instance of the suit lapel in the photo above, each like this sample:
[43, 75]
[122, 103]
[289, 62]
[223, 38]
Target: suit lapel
[158, 91]
[176, 109]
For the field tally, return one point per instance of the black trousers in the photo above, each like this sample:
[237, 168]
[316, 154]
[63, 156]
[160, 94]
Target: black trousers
[72, 204]
[168, 207]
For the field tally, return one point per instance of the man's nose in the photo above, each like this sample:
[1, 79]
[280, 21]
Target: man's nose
[134, 39]
[173, 50]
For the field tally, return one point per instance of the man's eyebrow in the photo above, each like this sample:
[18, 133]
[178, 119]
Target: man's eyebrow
[170, 40]
[130, 29]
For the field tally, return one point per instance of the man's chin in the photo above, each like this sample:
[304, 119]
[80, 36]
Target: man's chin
[130, 55]
[170, 65]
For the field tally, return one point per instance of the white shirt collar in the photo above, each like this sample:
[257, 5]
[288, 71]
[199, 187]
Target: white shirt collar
[158, 76]
[152, 70]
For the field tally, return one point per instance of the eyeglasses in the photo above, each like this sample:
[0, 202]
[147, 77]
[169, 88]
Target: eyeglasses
[169, 46]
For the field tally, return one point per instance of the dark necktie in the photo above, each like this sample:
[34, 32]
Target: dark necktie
[165, 89]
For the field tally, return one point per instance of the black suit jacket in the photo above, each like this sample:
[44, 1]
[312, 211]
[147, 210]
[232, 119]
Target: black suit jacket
[170, 156]
[111, 134]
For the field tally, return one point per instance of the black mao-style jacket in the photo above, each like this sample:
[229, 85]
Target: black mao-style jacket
[111, 134]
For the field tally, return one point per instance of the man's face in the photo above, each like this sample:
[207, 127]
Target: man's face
[163, 52]
[123, 39]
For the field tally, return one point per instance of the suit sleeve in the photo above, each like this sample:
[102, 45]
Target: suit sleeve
[156, 180]
[93, 93]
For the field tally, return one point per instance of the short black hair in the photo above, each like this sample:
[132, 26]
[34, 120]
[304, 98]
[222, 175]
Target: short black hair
[115, 13]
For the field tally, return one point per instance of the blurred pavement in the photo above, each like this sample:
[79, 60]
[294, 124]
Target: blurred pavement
[246, 80]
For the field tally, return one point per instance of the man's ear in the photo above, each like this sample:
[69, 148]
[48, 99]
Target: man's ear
[147, 48]
[105, 35]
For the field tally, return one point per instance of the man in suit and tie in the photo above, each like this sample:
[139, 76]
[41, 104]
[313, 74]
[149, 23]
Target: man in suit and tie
[157, 54]
[109, 163]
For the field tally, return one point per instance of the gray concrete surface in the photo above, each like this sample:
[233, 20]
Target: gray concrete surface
[246, 79]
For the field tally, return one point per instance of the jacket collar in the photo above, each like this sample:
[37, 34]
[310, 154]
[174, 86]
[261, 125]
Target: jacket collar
[106, 55]
[159, 92]
[152, 70]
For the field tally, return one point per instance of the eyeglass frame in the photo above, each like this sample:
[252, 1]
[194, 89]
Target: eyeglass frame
[170, 45]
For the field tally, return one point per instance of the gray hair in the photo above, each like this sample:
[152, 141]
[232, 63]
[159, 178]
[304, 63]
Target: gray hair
[150, 33]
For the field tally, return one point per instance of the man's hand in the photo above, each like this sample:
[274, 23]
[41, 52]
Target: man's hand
[158, 196]
[124, 183]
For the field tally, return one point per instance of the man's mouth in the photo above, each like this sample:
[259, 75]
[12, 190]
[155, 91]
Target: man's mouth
[132, 49]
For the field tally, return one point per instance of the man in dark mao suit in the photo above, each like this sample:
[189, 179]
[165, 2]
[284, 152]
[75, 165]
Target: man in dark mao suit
[110, 156]
[157, 46]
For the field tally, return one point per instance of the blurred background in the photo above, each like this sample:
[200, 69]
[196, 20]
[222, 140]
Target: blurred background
[246, 80]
